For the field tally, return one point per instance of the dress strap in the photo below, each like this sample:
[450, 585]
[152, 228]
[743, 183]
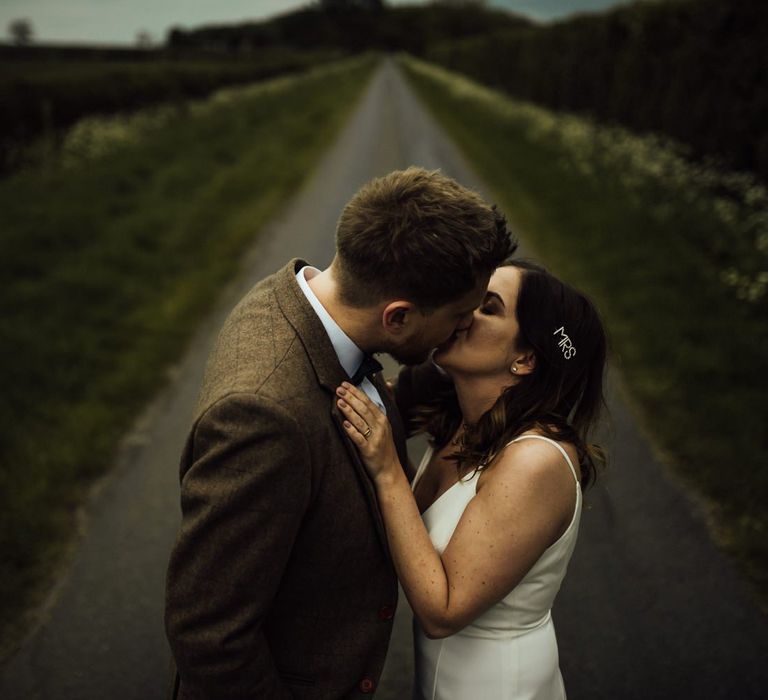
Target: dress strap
[422, 466]
[553, 442]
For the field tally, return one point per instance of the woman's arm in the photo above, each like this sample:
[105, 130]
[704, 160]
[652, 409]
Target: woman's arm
[522, 505]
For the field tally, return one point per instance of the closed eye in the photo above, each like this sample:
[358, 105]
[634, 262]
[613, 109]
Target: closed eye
[493, 304]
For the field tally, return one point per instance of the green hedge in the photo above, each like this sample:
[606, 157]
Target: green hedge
[44, 96]
[696, 70]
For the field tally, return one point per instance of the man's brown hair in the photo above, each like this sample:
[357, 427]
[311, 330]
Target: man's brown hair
[418, 235]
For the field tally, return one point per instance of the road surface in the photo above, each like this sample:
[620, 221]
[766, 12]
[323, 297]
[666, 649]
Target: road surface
[650, 609]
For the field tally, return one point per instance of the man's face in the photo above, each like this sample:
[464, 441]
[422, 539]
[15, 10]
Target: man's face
[431, 330]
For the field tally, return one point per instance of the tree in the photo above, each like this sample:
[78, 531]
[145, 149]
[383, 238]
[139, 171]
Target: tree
[144, 39]
[21, 32]
[351, 4]
[461, 3]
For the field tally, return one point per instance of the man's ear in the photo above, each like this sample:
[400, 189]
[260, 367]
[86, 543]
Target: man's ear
[396, 316]
[523, 364]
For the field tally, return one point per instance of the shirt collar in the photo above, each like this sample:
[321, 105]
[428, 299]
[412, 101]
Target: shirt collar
[350, 356]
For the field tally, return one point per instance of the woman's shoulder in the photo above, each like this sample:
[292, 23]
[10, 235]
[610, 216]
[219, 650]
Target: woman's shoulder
[530, 478]
[534, 457]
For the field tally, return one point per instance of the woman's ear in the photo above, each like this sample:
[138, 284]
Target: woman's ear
[523, 364]
[396, 316]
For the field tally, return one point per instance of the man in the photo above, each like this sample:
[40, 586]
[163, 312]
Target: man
[280, 584]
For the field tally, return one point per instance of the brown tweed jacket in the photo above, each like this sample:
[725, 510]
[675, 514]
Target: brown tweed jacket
[280, 584]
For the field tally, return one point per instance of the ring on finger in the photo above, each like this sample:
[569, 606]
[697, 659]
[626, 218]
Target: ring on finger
[367, 433]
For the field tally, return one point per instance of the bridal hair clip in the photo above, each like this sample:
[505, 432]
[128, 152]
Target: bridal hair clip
[565, 343]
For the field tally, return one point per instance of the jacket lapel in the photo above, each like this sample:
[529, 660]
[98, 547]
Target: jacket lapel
[398, 429]
[308, 327]
[365, 480]
[330, 374]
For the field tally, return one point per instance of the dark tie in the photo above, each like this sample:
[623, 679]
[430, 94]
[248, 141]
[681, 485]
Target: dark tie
[368, 367]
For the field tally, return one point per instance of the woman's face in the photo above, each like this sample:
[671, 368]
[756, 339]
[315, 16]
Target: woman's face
[489, 346]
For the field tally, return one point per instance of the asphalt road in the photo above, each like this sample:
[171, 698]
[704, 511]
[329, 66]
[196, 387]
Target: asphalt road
[650, 609]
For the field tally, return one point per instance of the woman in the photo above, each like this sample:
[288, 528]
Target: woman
[482, 539]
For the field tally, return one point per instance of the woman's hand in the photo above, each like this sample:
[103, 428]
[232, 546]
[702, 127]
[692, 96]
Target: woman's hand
[370, 430]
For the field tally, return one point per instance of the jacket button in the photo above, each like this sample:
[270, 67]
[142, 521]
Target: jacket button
[367, 685]
[386, 612]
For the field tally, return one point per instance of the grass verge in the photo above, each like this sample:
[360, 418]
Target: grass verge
[111, 253]
[675, 255]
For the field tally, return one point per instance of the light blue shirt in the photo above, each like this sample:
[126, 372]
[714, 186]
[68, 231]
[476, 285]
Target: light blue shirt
[350, 356]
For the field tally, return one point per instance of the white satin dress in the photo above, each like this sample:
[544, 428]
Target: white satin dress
[510, 651]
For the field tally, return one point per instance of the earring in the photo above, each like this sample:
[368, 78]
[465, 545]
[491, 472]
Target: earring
[514, 369]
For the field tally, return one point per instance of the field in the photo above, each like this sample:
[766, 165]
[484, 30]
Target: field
[113, 249]
[44, 91]
[676, 256]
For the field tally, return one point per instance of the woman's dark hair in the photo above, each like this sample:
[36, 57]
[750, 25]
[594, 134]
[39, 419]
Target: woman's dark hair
[562, 398]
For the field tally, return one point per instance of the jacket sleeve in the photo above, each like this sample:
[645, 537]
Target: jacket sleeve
[245, 486]
[418, 386]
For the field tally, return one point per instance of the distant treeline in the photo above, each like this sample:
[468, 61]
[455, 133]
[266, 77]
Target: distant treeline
[696, 70]
[353, 27]
[46, 92]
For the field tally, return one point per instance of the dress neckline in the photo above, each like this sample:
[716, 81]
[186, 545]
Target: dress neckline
[429, 452]
[420, 472]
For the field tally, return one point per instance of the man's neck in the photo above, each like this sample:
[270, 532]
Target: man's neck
[356, 323]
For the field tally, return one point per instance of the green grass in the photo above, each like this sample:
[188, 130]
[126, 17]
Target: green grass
[110, 257]
[676, 258]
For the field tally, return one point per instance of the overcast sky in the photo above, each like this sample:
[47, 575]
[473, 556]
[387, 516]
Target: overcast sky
[118, 21]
